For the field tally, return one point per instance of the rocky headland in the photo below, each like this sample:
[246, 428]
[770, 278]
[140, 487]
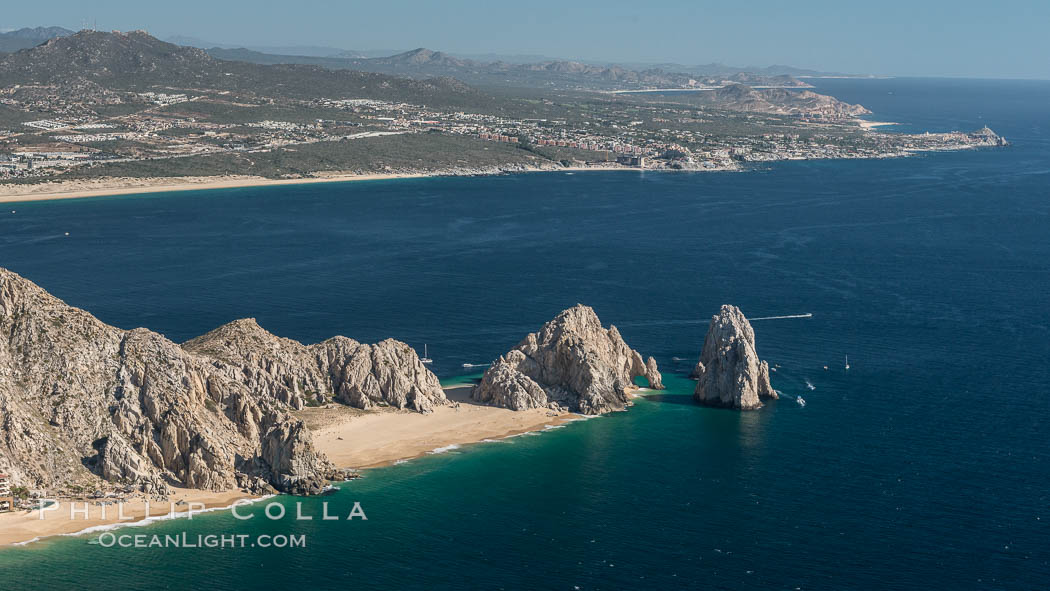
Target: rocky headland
[340, 369]
[82, 401]
[572, 363]
[730, 373]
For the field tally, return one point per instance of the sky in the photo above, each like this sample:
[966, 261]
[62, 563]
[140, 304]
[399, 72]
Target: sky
[969, 38]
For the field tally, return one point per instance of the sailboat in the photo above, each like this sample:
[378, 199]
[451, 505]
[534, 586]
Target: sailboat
[425, 358]
[847, 361]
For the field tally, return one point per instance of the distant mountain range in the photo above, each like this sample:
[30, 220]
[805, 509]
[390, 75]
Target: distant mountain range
[301, 50]
[29, 37]
[557, 74]
[87, 67]
[715, 69]
[288, 51]
[532, 71]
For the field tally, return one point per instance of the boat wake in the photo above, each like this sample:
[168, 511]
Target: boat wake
[798, 399]
[810, 385]
[806, 315]
[469, 365]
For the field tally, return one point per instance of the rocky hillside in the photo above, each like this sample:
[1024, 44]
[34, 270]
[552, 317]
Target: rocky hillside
[780, 101]
[572, 363]
[137, 61]
[730, 372]
[81, 400]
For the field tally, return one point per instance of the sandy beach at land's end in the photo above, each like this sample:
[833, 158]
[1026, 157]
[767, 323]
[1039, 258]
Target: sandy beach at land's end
[350, 437]
[10, 193]
[356, 439]
[112, 186]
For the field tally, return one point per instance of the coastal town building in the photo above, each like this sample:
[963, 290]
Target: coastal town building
[7, 502]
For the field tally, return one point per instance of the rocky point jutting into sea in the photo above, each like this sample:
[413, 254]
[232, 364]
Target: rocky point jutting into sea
[81, 400]
[729, 371]
[571, 363]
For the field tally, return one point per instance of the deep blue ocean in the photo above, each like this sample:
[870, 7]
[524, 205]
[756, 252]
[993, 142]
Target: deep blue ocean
[927, 465]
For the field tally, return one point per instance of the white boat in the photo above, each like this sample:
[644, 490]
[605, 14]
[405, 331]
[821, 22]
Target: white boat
[425, 358]
[800, 401]
[847, 361]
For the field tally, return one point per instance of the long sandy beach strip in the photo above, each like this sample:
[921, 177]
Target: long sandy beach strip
[351, 438]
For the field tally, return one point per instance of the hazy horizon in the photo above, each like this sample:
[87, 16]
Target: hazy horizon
[937, 38]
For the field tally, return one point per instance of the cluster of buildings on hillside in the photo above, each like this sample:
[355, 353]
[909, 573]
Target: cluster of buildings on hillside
[633, 135]
[7, 501]
[28, 162]
[160, 98]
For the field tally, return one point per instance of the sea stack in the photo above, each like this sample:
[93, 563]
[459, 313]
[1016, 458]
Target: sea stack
[572, 363]
[730, 373]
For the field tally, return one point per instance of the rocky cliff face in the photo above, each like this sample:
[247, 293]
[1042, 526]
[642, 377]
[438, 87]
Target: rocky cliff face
[356, 374]
[571, 363]
[80, 399]
[730, 372]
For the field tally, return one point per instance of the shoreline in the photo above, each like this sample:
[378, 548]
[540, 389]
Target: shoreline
[371, 440]
[350, 437]
[869, 125]
[116, 186]
[124, 186]
[25, 527]
[131, 186]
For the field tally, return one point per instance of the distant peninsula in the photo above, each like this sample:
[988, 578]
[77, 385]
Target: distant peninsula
[89, 111]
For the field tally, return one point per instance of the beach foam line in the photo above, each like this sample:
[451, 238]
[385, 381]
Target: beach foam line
[522, 434]
[445, 449]
[580, 417]
[145, 520]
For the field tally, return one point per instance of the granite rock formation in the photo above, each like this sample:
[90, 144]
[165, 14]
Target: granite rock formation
[359, 375]
[730, 372]
[572, 363]
[81, 400]
[697, 371]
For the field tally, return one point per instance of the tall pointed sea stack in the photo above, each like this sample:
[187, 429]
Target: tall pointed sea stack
[571, 363]
[730, 372]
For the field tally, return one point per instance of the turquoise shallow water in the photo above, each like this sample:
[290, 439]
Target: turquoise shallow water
[923, 466]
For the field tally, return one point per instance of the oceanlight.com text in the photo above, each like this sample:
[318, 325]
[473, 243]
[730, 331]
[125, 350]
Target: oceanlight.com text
[186, 540]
